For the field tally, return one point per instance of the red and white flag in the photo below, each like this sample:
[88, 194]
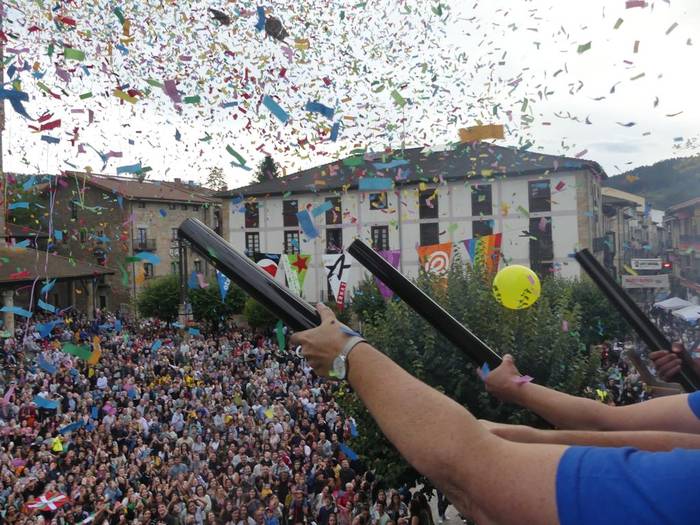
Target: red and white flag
[48, 502]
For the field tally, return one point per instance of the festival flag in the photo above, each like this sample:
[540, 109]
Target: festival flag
[48, 502]
[279, 332]
[435, 258]
[337, 267]
[392, 257]
[268, 262]
[96, 351]
[295, 269]
[485, 250]
[45, 365]
[224, 285]
[80, 351]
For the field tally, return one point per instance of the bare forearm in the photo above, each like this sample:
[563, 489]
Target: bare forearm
[409, 412]
[651, 441]
[562, 410]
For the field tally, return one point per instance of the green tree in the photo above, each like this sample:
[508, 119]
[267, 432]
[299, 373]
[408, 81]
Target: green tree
[160, 298]
[257, 315]
[215, 179]
[267, 170]
[368, 304]
[208, 307]
[551, 351]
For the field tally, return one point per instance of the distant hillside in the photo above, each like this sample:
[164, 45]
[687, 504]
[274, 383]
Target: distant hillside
[664, 184]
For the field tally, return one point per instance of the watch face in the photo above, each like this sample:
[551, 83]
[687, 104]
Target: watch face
[338, 367]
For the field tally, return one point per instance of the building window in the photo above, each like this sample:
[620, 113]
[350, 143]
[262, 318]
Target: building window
[252, 215]
[173, 234]
[148, 270]
[142, 235]
[291, 242]
[481, 228]
[198, 266]
[217, 221]
[378, 201]
[195, 207]
[172, 206]
[175, 267]
[428, 204]
[183, 206]
[141, 204]
[334, 215]
[103, 302]
[482, 201]
[541, 245]
[73, 210]
[289, 213]
[380, 238]
[429, 234]
[539, 195]
[252, 242]
[334, 240]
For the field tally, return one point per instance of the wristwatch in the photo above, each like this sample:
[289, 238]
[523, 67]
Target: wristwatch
[340, 363]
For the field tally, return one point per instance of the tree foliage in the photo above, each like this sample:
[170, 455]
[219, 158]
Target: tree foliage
[550, 342]
[208, 307]
[267, 170]
[257, 315]
[216, 179]
[160, 298]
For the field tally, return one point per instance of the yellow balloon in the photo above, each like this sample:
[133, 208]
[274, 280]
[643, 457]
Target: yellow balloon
[516, 287]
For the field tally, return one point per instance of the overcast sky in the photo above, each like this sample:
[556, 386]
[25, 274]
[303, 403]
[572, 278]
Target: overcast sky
[455, 65]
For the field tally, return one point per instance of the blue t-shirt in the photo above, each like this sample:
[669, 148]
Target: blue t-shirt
[624, 485]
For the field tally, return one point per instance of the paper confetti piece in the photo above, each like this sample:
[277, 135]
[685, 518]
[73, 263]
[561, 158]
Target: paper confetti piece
[375, 184]
[317, 107]
[275, 109]
[521, 380]
[398, 99]
[630, 4]
[484, 371]
[148, 256]
[73, 54]
[322, 208]
[46, 306]
[670, 29]
[18, 206]
[618, 23]
[125, 96]
[474, 133]
[334, 131]
[584, 47]
[307, 224]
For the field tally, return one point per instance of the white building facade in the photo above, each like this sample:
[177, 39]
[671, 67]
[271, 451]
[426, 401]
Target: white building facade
[543, 216]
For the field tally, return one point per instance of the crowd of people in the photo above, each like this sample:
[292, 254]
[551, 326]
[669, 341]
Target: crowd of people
[158, 429]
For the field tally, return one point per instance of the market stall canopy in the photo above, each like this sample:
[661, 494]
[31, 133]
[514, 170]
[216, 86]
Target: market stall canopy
[674, 303]
[690, 314]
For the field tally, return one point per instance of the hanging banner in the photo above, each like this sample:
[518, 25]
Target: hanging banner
[436, 258]
[268, 262]
[292, 277]
[224, 285]
[295, 267]
[392, 257]
[485, 250]
[337, 268]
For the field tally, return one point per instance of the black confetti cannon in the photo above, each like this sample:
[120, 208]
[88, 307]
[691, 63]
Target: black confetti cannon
[640, 323]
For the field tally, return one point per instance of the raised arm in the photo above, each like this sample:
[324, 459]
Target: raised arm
[488, 478]
[649, 440]
[670, 413]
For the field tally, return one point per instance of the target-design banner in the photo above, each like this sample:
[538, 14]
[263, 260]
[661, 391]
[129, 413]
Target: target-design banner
[436, 258]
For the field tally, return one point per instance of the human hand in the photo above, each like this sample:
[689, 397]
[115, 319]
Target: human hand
[668, 364]
[503, 382]
[321, 345]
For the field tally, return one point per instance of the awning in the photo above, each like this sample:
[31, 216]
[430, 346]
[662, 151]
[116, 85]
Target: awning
[674, 303]
[690, 314]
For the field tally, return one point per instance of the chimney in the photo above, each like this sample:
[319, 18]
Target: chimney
[178, 180]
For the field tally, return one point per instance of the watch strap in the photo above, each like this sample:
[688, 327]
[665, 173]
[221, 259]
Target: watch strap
[350, 344]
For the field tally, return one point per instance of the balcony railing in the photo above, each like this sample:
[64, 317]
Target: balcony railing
[145, 245]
